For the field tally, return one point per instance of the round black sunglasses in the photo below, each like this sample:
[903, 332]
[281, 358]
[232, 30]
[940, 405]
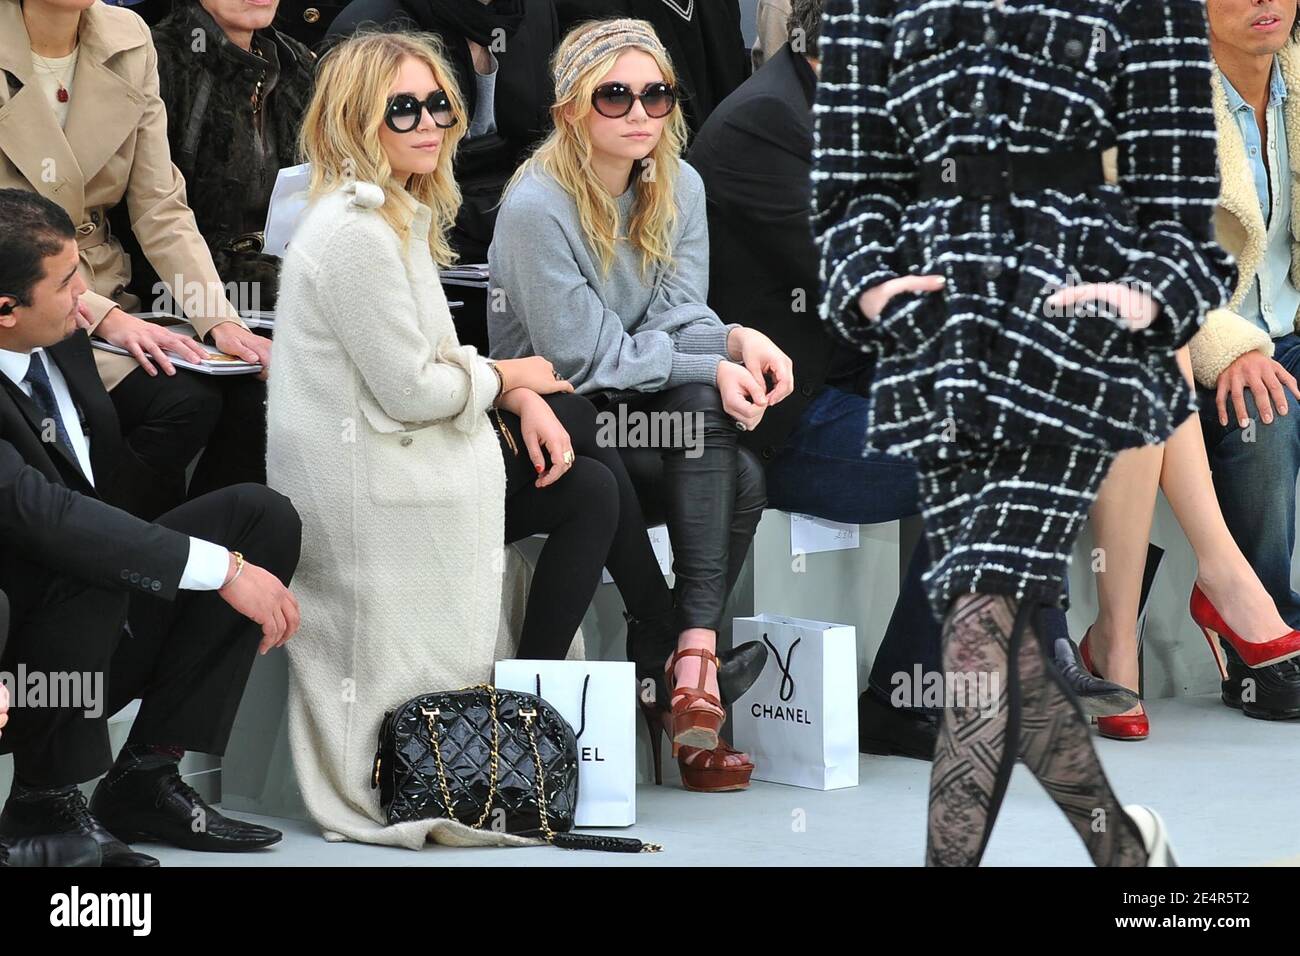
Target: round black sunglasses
[615, 99]
[403, 113]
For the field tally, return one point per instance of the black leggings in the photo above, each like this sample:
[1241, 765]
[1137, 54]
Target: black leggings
[592, 518]
[690, 472]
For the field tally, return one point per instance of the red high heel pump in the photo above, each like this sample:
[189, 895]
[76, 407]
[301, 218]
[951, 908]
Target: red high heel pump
[1212, 625]
[1125, 726]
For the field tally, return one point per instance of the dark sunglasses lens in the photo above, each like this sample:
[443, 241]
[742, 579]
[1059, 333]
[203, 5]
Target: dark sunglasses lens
[440, 109]
[658, 101]
[404, 113]
[614, 101]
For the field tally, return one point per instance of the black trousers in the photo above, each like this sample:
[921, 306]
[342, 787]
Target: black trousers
[167, 420]
[690, 473]
[592, 518]
[187, 660]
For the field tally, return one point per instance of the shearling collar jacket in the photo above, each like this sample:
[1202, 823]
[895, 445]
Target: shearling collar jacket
[1239, 226]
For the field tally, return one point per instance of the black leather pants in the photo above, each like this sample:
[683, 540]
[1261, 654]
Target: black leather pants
[681, 451]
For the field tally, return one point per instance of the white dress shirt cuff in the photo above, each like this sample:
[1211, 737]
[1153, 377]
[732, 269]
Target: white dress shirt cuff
[206, 568]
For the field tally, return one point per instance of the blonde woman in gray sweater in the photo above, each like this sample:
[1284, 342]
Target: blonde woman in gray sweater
[600, 264]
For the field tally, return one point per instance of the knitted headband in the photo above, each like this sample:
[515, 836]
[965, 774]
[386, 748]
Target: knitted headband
[611, 36]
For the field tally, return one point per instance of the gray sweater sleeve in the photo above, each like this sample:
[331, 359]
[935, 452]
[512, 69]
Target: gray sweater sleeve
[533, 262]
[681, 298]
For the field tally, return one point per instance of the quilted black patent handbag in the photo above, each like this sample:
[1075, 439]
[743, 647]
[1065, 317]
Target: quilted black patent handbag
[485, 757]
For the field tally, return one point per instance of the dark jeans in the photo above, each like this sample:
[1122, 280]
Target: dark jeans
[187, 660]
[822, 471]
[592, 518]
[1255, 482]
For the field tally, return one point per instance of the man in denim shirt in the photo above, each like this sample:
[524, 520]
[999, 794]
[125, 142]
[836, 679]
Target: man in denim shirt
[1245, 357]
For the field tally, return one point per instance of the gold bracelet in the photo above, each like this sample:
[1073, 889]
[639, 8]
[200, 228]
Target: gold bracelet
[239, 569]
[501, 381]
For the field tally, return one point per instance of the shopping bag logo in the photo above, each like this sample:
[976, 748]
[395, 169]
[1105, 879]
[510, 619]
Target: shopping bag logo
[785, 689]
[590, 754]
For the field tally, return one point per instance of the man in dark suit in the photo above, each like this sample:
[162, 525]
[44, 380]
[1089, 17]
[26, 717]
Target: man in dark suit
[171, 613]
[755, 156]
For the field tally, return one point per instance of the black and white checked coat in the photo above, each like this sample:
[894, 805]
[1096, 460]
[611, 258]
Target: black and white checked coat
[982, 364]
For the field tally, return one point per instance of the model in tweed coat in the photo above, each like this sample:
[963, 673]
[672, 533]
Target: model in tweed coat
[1012, 410]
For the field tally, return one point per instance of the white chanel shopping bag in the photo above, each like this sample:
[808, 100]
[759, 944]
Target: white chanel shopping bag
[598, 699]
[799, 722]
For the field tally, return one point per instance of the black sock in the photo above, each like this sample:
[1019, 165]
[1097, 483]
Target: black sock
[142, 758]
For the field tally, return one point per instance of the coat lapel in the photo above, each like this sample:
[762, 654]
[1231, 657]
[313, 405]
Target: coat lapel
[29, 132]
[1237, 189]
[60, 456]
[105, 108]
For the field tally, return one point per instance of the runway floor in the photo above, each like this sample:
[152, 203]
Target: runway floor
[1226, 785]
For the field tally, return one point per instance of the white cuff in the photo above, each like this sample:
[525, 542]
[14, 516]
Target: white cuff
[206, 568]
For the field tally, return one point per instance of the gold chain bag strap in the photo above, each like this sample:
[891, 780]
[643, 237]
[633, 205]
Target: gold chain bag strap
[488, 758]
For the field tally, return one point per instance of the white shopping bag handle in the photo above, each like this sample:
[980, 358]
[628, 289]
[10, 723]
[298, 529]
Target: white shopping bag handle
[786, 679]
[585, 681]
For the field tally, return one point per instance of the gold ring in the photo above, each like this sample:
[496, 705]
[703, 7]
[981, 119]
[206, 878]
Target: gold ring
[568, 457]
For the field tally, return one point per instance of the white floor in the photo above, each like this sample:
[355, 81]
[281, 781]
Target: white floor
[1226, 785]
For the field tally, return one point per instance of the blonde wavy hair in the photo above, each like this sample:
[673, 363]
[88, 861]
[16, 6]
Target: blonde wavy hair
[340, 133]
[566, 155]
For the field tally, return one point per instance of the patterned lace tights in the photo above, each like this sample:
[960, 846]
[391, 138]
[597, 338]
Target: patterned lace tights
[1034, 719]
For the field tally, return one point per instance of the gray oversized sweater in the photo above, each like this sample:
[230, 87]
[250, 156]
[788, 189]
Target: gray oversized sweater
[549, 298]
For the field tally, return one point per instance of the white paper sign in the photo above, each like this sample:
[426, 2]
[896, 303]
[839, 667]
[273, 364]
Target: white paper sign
[288, 200]
[809, 535]
[663, 552]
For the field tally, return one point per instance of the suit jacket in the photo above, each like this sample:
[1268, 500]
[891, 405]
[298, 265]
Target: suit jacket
[755, 156]
[113, 149]
[52, 519]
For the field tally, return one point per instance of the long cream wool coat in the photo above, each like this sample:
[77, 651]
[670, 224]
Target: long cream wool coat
[378, 432]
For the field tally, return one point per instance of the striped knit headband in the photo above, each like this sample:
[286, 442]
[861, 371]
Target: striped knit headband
[610, 37]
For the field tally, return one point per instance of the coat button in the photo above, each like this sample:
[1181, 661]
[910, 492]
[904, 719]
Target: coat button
[406, 442]
[993, 269]
[806, 390]
[311, 14]
[135, 577]
[978, 106]
[1074, 49]
[156, 586]
[767, 453]
[126, 575]
[990, 37]
[145, 582]
[85, 229]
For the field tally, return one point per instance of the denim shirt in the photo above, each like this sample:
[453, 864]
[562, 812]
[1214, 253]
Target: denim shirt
[1272, 301]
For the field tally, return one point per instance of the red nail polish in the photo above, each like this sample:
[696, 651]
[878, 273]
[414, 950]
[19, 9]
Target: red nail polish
[540, 469]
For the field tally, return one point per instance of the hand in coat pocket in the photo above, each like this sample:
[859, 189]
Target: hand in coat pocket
[1132, 305]
[872, 302]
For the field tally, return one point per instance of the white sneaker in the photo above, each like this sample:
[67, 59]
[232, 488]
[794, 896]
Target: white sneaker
[1154, 835]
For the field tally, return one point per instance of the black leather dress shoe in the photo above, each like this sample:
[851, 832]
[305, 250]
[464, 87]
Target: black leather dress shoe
[1099, 698]
[895, 731]
[66, 814]
[64, 849]
[157, 805]
[1265, 693]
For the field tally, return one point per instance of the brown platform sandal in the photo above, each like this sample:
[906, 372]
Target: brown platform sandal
[699, 727]
[711, 774]
[707, 775]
